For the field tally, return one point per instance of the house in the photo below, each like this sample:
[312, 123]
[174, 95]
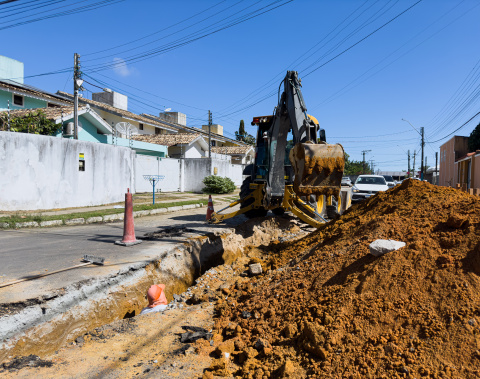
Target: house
[180, 145]
[178, 120]
[16, 95]
[112, 107]
[450, 152]
[239, 154]
[91, 128]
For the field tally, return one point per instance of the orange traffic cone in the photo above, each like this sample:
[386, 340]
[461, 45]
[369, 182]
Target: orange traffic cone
[128, 226]
[210, 207]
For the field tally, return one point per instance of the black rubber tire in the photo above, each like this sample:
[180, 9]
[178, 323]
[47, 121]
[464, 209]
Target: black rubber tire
[332, 212]
[245, 191]
[278, 211]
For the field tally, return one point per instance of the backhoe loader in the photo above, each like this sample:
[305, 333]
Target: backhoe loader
[295, 169]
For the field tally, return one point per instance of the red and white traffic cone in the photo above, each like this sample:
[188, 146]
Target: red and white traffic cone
[128, 225]
[210, 207]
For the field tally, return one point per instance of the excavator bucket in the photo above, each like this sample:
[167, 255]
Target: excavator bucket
[318, 168]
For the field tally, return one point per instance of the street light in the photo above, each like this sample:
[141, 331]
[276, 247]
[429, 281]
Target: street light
[422, 132]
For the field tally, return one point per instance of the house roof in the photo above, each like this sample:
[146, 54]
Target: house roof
[198, 130]
[232, 150]
[22, 89]
[60, 114]
[122, 112]
[169, 139]
[52, 113]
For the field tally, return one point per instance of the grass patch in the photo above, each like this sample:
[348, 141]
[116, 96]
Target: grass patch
[18, 218]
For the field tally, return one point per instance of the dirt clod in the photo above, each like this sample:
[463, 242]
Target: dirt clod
[20, 362]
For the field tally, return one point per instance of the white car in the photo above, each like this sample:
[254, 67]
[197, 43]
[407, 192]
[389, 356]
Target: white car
[368, 185]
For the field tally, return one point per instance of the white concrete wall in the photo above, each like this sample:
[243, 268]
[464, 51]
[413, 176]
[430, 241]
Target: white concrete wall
[195, 170]
[40, 172]
[169, 168]
[236, 174]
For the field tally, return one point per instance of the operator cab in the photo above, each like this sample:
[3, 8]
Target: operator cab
[260, 173]
[260, 169]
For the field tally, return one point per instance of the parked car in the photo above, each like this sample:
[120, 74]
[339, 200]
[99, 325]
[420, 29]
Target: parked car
[390, 182]
[368, 185]
[346, 181]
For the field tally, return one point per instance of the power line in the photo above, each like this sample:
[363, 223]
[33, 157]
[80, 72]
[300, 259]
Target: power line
[81, 9]
[456, 130]
[182, 42]
[333, 58]
[363, 39]
[157, 32]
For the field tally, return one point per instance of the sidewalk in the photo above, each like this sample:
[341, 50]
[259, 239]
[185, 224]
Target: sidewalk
[111, 212]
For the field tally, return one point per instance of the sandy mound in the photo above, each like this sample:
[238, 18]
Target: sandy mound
[337, 311]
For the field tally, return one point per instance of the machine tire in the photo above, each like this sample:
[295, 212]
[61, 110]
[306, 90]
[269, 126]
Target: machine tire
[245, 191]
[332, 212]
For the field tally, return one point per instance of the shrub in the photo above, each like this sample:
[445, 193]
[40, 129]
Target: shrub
[217, 184]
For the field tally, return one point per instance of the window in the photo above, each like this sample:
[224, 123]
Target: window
[140, 126]
[213, 143]
[157, 131]
[18, 100]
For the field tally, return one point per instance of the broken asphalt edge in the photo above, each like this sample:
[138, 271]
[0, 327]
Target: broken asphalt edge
[84, 296]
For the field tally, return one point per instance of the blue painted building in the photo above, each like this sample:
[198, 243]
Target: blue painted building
[91, 128]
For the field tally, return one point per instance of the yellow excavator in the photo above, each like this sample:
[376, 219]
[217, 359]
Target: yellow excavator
[295, 169]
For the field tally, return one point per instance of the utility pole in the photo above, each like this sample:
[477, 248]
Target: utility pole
[414, 169]
[77, 86]
[425, 166]
[436, 166]
[364, 152]
[8, 115]
[408, 163]
[209, 134]
[371, 166]
[422, 133]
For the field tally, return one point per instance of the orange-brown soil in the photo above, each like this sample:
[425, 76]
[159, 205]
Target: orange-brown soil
[336, 311]
[324, 306]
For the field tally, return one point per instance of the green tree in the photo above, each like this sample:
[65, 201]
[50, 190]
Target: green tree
[474, 139]
[34, 122]
[243, 136]
[355, 167]
[241, 128]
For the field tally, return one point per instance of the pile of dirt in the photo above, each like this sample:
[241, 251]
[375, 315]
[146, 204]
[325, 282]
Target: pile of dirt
[328, 308]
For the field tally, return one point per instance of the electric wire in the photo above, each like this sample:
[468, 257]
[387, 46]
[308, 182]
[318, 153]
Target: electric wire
[81, 9]
[331, 59]
[182, 42]
[157, 32]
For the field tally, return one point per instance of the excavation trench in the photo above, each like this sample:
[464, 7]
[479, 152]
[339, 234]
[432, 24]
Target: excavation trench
[44, 326]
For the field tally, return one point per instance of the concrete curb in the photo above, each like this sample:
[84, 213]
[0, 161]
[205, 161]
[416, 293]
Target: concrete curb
[100, 219]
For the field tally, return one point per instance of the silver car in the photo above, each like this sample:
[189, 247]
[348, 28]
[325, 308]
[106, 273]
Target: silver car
[346, 181]
[389, 180]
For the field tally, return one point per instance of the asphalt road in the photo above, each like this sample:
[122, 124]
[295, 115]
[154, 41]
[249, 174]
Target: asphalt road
[28, 252]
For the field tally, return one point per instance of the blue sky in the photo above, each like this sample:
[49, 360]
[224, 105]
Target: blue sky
[360, 77]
